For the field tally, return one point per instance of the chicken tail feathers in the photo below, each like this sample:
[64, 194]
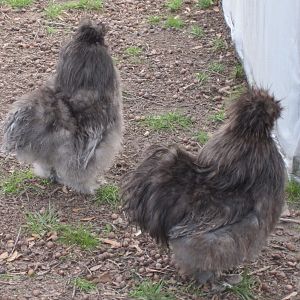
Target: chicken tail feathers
[156, 194]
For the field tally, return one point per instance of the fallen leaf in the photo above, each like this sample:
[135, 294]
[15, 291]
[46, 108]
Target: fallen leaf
[95, 268]
[290, 246]
[112, 242]
[53, 236]
[87, 219]
[196, 47]
[4, 255]
[77, 209]
[138, 233]
[30, 239]
[65, 190]
[14, 256]
[31, 244]
[103, 278]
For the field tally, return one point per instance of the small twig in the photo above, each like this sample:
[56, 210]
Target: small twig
[74, 291]
[155, 271]
[54, 191]
[278, 247]
[293, 294]
[138, 275]
[260, 270]
[7, 282]
[290, 220]
[16, 241]
[187, 86]
[113, 262]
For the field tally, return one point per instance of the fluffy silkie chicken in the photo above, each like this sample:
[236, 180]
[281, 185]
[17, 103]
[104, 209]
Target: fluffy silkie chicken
[70, 128]
[216, 210]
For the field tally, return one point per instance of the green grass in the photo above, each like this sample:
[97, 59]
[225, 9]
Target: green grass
[174, 22]
[174, 5]
[197, 31]
[108, 194]
[53, 10]
[193, 289]
[154, 20]
[148, 290]
[238, 71]
[133, 51]
[50, 30]
[107, 229]
[218, 116]
[84, 285]
[7, 277]
[41, 223]
[205, 4]
[167, 121]
[77, 235]
[218, 44]
[217, 67]
[202, 77]
[16, 182]
[293, 191]
[243, 289]
[202, 137]
[17, 3]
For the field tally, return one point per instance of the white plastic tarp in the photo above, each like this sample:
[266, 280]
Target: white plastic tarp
[266, 34]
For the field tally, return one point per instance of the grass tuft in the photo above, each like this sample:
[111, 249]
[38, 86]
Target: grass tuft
[41, 223]
[205, 4]
[78, 235]
[174, 22]
[174, 5]
[238, 71]
[218, 44]
[107, 229]
[51, 30]
[202, 137]
[202, 77]
[108, 194]
[154, 20]
[244, 288]
[17, 3]
[217, 67]
[84, 285]
[293, 191]
[133, 51]
[16, 182]
[167, 121]
[53, 10]
[197, 31]
[148, 290]
[218, 116]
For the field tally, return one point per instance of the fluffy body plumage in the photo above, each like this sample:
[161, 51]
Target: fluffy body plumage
[215, 210]
[71, 127]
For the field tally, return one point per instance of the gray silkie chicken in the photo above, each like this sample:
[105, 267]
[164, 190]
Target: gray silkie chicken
[70, 129]
[215, 210]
